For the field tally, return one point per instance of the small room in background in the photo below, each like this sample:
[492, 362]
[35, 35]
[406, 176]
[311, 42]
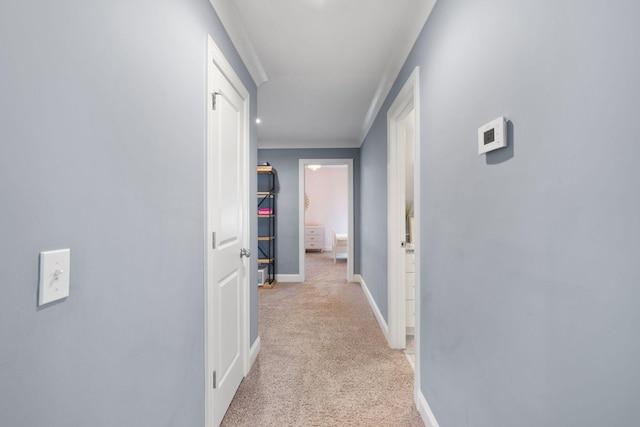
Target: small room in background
[326, 206]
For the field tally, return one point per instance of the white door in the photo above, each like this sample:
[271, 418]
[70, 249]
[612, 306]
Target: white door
[227, 268]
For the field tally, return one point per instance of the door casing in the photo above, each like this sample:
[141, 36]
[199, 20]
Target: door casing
[407, 102]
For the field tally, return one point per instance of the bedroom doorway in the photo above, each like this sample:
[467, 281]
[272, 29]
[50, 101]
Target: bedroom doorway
[326, 206]
[326, 216]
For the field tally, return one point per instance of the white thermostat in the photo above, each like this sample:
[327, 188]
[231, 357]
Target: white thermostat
[492, 136]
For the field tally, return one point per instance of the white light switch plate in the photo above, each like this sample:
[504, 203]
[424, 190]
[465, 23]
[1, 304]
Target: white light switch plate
[55, 267]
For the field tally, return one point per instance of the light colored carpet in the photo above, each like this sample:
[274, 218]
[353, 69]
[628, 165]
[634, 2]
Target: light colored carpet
[323, 359]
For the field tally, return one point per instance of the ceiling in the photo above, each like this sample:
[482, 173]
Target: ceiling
[323, 67]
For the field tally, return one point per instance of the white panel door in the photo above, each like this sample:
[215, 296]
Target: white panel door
[226, 267]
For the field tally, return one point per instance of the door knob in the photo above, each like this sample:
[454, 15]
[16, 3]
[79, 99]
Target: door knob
[245, 252]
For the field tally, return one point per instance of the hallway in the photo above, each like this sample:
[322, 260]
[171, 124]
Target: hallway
[323, 359]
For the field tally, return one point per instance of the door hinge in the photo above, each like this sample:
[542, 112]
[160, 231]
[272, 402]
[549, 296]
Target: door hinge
[215, 385]
[213, 238]
[213, 100]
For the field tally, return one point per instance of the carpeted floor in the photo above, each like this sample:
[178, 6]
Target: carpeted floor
[323, 359]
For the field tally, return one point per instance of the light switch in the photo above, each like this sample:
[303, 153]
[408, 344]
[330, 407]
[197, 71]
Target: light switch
[55, 267]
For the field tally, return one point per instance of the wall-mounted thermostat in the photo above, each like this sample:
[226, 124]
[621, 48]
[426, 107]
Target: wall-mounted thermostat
[492, 136]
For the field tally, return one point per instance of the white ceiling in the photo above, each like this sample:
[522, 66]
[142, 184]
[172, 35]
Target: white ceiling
[323, 67]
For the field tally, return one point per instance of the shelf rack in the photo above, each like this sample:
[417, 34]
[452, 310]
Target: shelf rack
[267, 223]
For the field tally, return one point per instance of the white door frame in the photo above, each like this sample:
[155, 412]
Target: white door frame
[301, 212]
[215, 56]
[407, 101]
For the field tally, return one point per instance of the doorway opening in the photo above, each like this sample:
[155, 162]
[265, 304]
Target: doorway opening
[403, 216]
[326, 205]
[326, 213]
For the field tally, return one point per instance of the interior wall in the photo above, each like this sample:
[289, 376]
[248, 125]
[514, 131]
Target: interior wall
[373, 211]
[286, 162]
[102, 123]
[530, 297]
[328, 191]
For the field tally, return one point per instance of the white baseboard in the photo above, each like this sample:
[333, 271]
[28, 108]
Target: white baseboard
[374, 306]
[328, 249]
[288, 278]
[425, 411]
[421, 403]
[253, 352]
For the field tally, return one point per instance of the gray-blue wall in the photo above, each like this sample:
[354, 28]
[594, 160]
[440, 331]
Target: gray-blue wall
[102, 136]
[530, 286]
[373, 211]
[286, 162]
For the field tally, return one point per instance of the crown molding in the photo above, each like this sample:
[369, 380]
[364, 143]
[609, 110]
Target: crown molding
[230, 18]
[415, 23]
[262, 144]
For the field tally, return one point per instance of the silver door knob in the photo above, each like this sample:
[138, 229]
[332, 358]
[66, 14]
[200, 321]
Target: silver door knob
[245, 252]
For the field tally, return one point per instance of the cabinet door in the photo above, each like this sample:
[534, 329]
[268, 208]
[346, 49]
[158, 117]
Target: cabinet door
[313, 245]
[410, 262]
[313, 238]
[314, 230]
[410, 286]
[410, 313]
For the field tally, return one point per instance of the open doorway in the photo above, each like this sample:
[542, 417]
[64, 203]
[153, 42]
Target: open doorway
[326, 205]
[326, 215]
[403, 216]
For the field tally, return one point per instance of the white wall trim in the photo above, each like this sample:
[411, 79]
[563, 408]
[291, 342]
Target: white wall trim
[253, 353]
[374, 306]
[217, 56]
[417, 19]
[289, 278]
[230, 18]
[408, 99]
[417, 212]
[286, 144]
[404, 104]
[350, 212]
[425, 411]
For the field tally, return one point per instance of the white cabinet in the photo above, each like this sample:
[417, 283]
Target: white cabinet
[410, 289]
[314, 237]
